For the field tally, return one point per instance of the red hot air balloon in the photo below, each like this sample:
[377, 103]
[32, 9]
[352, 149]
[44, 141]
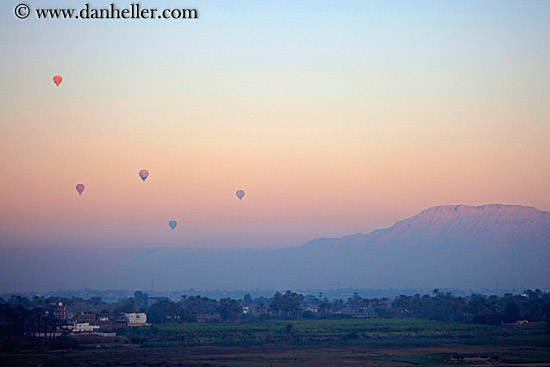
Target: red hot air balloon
[57, 80]
[143, 174]
[80, 188]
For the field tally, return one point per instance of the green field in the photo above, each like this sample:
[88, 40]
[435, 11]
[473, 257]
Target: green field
[348, 332]
[315, 343]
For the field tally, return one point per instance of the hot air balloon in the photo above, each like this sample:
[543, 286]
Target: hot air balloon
[240, 194]
[80, 188]
[57, 80]
[172, 224]
[143, 174]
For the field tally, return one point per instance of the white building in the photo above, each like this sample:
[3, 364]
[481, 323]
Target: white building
[136, 318]
[84, 327]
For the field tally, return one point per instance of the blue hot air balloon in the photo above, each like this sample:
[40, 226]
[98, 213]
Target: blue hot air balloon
[143, 174]
[172, 224]
[240, 194]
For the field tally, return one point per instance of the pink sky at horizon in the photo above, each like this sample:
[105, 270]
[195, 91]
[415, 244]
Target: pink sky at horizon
[332, 129]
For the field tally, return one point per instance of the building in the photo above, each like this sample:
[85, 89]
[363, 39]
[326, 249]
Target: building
[136, 319]
[85, 328]
[60, 311]
[83, 317]
[253, 309]
[112, 321]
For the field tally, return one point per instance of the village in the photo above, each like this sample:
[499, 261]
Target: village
[78, 317]
[55, 316]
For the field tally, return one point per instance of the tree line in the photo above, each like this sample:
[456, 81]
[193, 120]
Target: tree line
[441, 306]
[20, 315]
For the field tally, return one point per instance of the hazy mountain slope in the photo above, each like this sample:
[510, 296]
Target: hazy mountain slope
[459, 245]
[489, 225]
[445, 246]
[497, 225]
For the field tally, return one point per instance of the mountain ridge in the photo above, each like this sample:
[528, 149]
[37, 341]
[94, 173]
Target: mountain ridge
[449, 246]
[447, 217]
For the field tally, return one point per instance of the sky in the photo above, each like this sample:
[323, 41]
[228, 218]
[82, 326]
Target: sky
[334, 117]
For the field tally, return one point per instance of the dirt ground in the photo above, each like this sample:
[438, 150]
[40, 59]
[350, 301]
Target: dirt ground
[279, 356]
